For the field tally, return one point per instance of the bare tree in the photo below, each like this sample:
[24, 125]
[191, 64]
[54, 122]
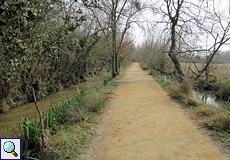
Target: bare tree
[188, 22]
[216, 26]
[114, 19]
[176, 8]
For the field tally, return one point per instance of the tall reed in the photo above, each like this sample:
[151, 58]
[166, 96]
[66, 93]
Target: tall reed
[75, 108]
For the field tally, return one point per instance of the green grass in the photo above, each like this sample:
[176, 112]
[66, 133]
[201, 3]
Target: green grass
[162, 82]
[106, 80]
[67, 125]
[67, 143]
[81, 107]
[123, 71]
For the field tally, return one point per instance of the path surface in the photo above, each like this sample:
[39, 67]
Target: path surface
[143, 123]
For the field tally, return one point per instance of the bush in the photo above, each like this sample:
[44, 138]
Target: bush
[15, 98]
[217, 119]
[106, 80]
[223, 91]
[76, 81]
[108, 70]
[154, 73]
[92, 102]
[183, 92]
[144, 67]
[50, 89]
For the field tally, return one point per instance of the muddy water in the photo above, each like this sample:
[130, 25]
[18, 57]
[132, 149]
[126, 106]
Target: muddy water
[10, 119]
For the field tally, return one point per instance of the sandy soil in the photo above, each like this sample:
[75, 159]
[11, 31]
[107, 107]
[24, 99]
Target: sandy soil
[142, 122]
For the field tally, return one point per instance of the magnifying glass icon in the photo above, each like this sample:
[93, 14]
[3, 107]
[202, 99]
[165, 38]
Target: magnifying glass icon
[9, 147]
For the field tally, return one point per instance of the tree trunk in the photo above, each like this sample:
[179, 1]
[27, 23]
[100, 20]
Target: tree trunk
[172, 53]
[114, 38]
[116, 64]
[177, 65]
[40, 116]
[119, 64]
[113, 67]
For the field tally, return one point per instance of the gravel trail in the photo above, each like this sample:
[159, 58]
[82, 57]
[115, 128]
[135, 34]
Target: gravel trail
[142, 123]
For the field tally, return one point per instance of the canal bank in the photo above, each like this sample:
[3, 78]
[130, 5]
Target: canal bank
[10, 119]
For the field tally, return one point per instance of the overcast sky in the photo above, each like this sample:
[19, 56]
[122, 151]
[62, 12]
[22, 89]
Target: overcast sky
[139, 35]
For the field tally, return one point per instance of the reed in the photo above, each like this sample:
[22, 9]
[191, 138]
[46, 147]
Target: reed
[75, 109]
[106, 80]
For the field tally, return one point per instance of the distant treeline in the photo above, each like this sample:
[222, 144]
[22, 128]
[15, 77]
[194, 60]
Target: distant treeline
[220, 58]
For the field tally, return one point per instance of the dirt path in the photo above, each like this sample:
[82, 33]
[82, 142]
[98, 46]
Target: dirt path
[143, 123]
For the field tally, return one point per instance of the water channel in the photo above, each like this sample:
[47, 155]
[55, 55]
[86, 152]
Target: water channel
[206, 96]
[10, 119]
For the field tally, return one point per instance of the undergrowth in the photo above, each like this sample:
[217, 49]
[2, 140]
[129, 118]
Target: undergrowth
[77, 109]
[106, 80]
[144, 67]
[66, 125]
[183, 92]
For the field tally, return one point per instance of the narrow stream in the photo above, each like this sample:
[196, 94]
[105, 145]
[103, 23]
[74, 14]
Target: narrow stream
[206, 96]
[10, 119]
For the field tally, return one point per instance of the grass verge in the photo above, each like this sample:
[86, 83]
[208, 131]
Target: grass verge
[67, 125]
[215, 120]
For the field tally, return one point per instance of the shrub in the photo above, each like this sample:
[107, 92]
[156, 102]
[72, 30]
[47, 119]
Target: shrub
[92, 102]
[220, 120]
[108, 70]
[49, 90]
[183, 92]
[144, 67]
[223, 91]
[15, 98]
[106, 80]
[154, 73]
[206, 110]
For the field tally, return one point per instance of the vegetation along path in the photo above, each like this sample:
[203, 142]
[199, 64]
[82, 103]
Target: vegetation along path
[10, 119]
[143, 123]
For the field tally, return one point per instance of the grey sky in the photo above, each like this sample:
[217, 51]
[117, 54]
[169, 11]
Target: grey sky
[139, 34]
